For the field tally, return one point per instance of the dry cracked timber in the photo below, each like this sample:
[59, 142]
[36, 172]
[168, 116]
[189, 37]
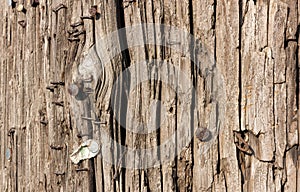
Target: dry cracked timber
[254, 44]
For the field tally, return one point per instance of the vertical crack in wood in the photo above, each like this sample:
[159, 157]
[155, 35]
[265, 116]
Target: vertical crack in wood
[239, 155]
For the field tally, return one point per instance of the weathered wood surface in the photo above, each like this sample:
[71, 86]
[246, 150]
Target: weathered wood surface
[255, 46]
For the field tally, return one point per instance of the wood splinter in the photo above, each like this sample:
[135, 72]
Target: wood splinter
[59, 7]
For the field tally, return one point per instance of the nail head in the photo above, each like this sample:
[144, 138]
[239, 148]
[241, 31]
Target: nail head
[203, 134]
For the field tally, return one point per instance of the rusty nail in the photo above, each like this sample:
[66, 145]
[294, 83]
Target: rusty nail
[22, 23]
[58, 83]
[58, 7]
[73, 39]
[86, 17]
[241, 144]
[77, 24]
[60, 103]
[82, 169]
[56, 147]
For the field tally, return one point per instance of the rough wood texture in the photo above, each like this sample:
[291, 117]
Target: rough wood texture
[254, 44]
